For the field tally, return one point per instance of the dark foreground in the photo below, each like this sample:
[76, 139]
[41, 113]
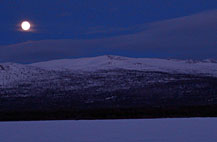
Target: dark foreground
[124, 113]
[130, 94]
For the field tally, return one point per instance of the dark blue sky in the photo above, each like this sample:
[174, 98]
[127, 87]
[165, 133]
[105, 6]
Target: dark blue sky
[136, 28]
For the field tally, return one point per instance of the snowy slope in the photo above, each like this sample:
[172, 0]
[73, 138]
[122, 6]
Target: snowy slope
[206, 67]
[11, 72]
[109, 80]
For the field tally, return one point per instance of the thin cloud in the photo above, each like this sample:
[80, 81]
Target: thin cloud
[191, 36]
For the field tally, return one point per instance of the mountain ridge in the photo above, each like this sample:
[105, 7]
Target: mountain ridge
[107, 87]
[10, 72]
[144, 64]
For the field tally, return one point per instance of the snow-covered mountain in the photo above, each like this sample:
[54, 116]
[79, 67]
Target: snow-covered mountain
[74, 88]
[12, 72]
[109, 62]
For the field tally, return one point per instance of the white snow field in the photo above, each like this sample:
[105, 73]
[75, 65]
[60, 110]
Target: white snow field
[141, 130]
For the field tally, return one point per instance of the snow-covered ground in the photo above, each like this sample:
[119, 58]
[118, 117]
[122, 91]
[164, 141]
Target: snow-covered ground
[144, 130]
[145, 64]
[12, 72]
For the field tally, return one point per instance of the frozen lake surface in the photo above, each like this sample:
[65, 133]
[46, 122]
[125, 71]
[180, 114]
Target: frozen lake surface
[141, 130]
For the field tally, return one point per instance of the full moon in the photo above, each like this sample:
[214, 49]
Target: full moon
[25, 25]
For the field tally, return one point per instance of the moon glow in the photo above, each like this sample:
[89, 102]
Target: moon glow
[25, 25]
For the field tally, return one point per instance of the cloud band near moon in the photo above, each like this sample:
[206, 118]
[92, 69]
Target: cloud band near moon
[192, 36]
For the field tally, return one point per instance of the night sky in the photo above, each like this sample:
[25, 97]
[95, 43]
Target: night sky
[85, 28]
